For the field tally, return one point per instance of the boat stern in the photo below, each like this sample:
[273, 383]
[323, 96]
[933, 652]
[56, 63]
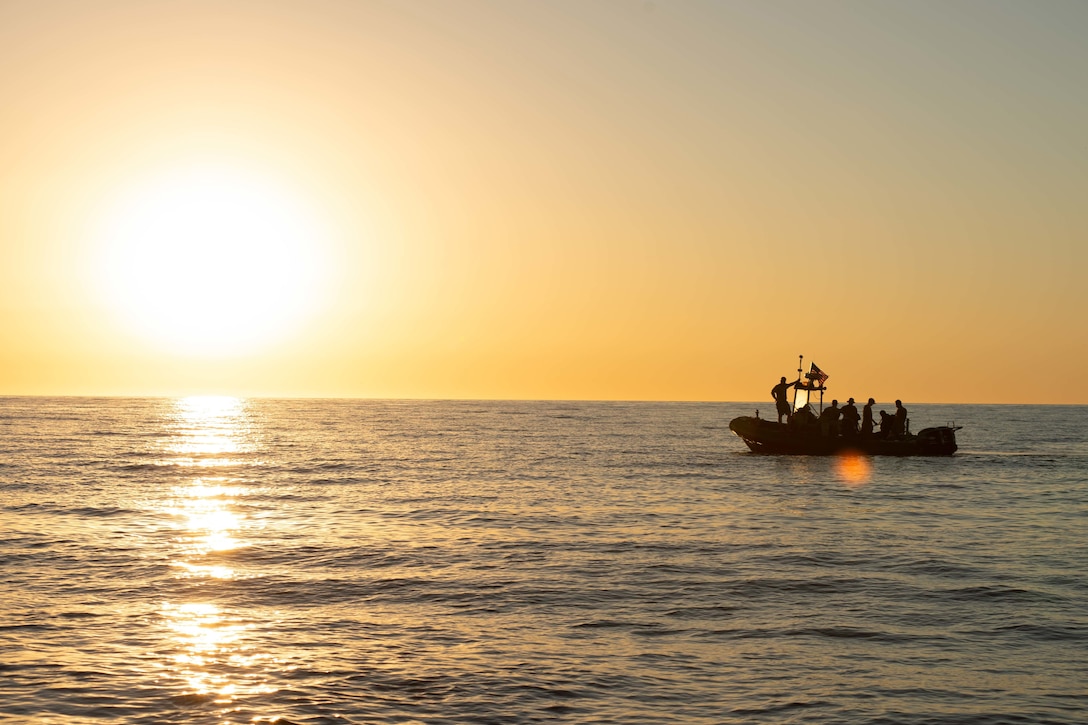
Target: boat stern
[938, 441]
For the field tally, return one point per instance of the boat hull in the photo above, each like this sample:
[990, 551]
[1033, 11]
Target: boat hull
[769, 437]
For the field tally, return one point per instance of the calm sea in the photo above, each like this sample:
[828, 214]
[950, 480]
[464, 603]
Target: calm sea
[231, 561]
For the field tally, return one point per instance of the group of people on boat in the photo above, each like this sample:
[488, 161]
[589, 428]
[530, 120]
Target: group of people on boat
[845, 421]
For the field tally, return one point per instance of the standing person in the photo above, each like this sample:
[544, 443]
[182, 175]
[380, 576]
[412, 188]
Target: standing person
[849, 419]
[867, 419]
[781, 395]
[899, 429]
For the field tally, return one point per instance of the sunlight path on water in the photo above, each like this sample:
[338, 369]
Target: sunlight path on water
[211, 657]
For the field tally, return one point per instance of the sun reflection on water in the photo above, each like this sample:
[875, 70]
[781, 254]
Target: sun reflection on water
[209, 429]
[212, 651]
[210, 520]
[214, 658]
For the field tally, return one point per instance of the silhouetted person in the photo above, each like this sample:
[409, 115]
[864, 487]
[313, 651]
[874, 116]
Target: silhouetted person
[849, 424]
[900, 427]
[887, 423]
[829, 420]
[803, 418]
[781, 395]
[867, 419]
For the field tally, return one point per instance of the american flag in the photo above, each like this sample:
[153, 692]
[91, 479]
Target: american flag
[817, 375]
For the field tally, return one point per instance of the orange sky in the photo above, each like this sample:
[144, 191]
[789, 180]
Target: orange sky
[609, 200]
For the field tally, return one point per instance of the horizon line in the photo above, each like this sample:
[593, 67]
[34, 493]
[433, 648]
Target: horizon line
[424, 399]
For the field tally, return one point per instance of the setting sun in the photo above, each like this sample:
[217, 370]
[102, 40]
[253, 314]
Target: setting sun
[208, 260]
[367, 199]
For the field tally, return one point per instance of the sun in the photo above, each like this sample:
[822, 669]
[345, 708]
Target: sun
[212, 260]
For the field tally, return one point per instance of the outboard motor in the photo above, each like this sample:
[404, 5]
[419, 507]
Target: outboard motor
[938, 441]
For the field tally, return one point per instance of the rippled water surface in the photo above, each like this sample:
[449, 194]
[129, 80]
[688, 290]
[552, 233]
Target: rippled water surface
[220, 560]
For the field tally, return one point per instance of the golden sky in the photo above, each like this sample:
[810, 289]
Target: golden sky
[575, 200]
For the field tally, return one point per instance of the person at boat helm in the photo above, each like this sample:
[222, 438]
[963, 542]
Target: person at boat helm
[899, 428]
[867, 419]
[803, 417]
[781, 395]
[849, 424]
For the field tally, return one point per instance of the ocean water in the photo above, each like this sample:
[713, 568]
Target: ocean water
[237, 561]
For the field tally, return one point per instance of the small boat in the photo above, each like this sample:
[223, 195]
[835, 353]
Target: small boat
[811, 439]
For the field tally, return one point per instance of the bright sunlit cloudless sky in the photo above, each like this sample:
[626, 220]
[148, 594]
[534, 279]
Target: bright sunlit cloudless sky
[602, 200]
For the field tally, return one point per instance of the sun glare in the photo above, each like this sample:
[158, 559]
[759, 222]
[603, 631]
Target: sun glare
[210, 260]
[853, 468]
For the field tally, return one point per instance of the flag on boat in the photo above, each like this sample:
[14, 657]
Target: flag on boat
[817, 375]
